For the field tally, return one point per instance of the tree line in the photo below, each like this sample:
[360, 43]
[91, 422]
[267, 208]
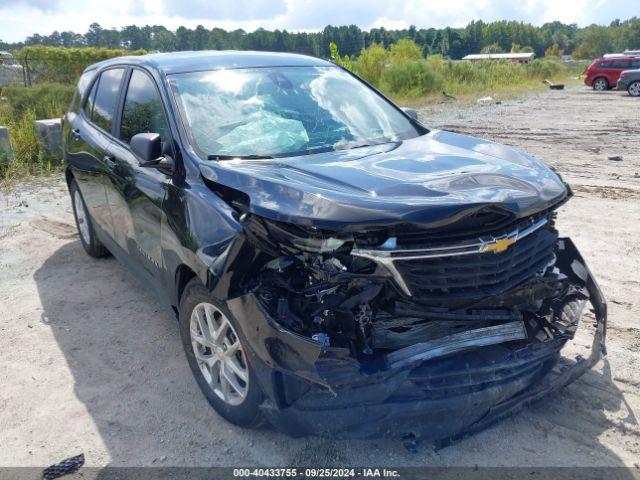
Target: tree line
[554, 38]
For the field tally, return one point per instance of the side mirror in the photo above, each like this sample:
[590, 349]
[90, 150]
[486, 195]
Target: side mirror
[148, 147]
[412, 112]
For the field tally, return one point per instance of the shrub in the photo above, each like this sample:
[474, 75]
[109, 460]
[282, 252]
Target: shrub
[554, 51]
[405, 49]
[544, 68]
[371, 62]
[436, 62]
[23, 139]
[410, 79]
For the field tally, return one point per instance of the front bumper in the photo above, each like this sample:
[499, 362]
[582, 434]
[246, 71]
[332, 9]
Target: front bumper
[622, 84]
[314, 390]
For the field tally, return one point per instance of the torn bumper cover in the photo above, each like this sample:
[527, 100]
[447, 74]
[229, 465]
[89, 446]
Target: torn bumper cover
[436, 390]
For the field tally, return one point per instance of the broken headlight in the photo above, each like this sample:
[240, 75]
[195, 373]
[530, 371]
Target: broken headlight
[312, 284]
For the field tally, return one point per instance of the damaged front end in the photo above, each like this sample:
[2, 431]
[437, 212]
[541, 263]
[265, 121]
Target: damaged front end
[405, 329]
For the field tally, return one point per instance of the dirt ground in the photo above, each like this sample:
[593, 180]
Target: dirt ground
[88, 363]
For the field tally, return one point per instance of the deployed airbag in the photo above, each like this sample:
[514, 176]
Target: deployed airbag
[264, 132]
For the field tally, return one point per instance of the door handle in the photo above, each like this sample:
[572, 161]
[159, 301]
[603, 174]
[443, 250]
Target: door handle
[110, 161]
[76, 133]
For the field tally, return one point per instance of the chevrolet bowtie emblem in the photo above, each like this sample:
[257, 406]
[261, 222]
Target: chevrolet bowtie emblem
[500, 245]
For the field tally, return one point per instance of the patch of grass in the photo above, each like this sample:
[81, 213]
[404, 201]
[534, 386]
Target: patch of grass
[461, 78]
[20, 107]
[491, 77]
[46, 100]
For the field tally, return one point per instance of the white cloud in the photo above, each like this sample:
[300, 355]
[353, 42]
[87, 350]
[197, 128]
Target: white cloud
[20, 18]
[39, 4]
[238, 10]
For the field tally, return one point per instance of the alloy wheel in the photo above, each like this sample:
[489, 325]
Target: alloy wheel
[600, 84]
[219, 354]
[634, 89]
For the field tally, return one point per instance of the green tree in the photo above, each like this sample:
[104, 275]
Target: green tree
[200, 38]
[492, 48]
[94, 35]
[162, 39]
[337, 59]
[405, 49]
[584, 51]
[554, 51]
[499, 36]
[600, 38]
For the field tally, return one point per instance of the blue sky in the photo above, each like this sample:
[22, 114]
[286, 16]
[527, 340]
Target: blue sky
[19, 18]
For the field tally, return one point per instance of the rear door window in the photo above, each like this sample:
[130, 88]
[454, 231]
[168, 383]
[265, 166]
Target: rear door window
[622, 64]
[142, 112]
[106, 99]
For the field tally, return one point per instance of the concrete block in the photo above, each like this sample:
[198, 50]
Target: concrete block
[49, 136]
[6, 150]
[10, 75]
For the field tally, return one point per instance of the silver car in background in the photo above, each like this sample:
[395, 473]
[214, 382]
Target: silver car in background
[630, 81]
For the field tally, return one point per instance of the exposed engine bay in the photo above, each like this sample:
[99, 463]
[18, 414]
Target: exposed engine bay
[392, 328]
[333, 290]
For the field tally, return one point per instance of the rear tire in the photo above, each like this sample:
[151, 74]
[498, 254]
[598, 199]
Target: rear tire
[209, 331]
[634, 88]
[601, 84]
[84, 224]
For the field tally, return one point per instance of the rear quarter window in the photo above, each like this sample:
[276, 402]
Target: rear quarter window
[81, 89]
[106, 98]
[88, 106]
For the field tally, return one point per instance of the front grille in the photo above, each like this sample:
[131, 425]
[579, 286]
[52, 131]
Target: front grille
[450, 281]
[478, 224]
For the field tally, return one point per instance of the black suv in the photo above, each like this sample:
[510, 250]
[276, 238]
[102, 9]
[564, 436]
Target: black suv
[335, 266]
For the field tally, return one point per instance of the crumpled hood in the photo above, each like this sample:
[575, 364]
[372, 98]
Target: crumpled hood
[423, 180]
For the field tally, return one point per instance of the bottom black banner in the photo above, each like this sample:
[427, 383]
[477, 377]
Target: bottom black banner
[422, 473]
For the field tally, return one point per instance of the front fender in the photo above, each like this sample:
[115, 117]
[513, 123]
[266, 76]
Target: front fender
[199, 227]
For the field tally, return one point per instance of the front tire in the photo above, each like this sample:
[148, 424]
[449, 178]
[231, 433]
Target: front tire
[217, 357]
[601, 84]
[84, 224]
[634, 89]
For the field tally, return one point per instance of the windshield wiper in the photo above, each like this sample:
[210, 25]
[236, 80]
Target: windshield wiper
[354, 145]
[217, 156]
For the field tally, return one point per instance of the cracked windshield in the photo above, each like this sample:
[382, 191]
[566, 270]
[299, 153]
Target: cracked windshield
[277, 112]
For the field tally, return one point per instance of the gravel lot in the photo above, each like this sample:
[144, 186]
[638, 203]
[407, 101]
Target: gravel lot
[88, 363]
